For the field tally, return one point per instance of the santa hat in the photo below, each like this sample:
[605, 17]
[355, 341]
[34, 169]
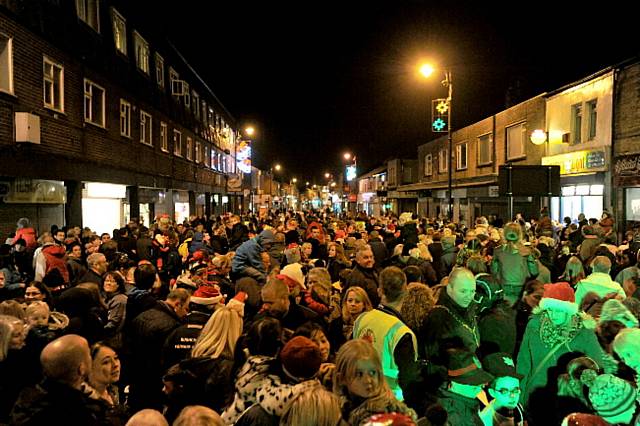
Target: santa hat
[559, 297]
[207, 295]
[293, 272]
[582, 419]
[237, 303]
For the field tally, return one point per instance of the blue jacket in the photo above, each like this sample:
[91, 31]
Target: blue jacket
[248, 254]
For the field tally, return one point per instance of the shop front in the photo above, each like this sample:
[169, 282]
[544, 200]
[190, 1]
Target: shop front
[585, 184]
[41, 201]
[103, 206]
[626, 171]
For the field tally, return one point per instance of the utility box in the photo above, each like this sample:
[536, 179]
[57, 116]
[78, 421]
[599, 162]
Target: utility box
[27, 128]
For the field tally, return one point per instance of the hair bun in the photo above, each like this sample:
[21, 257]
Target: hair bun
[588, 376]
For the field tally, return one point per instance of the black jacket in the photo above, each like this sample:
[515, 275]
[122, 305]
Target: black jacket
[365, 278]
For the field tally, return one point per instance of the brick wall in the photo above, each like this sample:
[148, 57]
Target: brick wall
[627, 113]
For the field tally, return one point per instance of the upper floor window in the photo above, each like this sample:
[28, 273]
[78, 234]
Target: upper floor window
[146, 124]
[176, 86]
[164, 137]
[189, 148]
[89, 12]
[119, 31]
[53, 83]
[142, 52]
[177, 143]
[461, 156]
[428, 165]
[6, 64]
[576, 123]
[196, 104]
[443, 160]
[160, 70]
[125, 118]
[198, 152]
[485, 149]
[94, 103]
[592, 113]
[207, 159]
[187, 95]
[516, 136]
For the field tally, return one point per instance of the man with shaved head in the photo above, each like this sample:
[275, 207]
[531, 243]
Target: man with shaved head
[66, 363]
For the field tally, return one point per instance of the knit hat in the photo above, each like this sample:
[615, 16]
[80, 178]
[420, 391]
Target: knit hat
[464, 367]
[613, 309]
[610, 395]
[500, 364]
[582, 419]
[301, 358]
[559, 297]
[294, 272]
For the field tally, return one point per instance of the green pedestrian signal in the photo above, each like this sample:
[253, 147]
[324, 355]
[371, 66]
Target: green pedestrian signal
[440, 115]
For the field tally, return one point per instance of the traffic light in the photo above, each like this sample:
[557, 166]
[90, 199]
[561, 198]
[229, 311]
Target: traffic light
[440, 115]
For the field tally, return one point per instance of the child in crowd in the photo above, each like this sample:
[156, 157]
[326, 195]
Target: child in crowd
[504, 391]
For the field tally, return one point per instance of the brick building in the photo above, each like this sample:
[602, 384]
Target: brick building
[102, 119]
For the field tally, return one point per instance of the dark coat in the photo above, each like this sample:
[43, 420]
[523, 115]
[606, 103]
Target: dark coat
[91, 276]
[497, 330]
[379, 250]
[76, 270]
[365, 278]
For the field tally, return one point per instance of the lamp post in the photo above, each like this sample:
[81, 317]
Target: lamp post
[426, 70]
[277, 168]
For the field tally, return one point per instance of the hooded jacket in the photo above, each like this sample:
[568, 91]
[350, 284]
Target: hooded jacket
[248, 254]
[55, 258]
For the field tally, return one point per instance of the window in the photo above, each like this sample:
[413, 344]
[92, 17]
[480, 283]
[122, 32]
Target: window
[88, 11]
[189, 148]
[146, 126]
[204, 113]
[592, 114]
[485, 149]
[428, 165]
[175, 84]
[207, 159]
[6, 64]
[94, 98]
[119, 31]
[164, 137]
[198, 152]
[177, 143]
[461, 156]
[142, 52]
[53, 83]
[576, 123]
[187, 95]
[443, 160]
[516, 136]
[125, 118]
[196, 104]
[160, 70]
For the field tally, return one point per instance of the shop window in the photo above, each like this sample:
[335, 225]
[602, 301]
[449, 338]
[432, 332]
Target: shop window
[119, 31]
[53, 83]
[6, 64]
[516, 136]
[597, 190]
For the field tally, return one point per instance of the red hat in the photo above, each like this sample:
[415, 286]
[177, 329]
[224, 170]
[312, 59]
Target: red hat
[389, 419]
[206, 291]
[301, 358]
[560, 297]
[582, 419]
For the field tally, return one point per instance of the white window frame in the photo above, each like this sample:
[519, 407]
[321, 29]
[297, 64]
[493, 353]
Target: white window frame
[84, 7]
[177, 143]
[119, 27]
[428, 164]
[146, 128]
[164, 137]
[125, 118]
[523, 137]
[189, 148]
[89, 115]
[51, 85]
[173, 76]
[142, 51]
[198, 152]
[489, 141]
[159, 70]
[577, 118]
[443, 160]
[459, 157]
[6, 65]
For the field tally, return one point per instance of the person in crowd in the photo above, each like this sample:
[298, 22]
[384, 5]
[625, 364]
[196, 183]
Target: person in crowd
[116, 301]
[612, 398]
[533, 291]
[364, 274]
[465, 380]
[149, 330]
[599, 281]
[75, 263]
[104, 376]
[378, 248]
[504, 390]
[449, 253]
[573, 271]
[555, 329]
[85, 310]
[337, 261]
[247, 260]
[66, 363]
[198, 415]
[317, 296]
[147, 417]
[513, 264]
[572, 395]
[627, 346]
[416, 305]
[496, 318]
[591, 241]
[263, 342]
[361, 386]
[314, 406]
[277, 303]
[27, 233]
[356, 301]
[15, 368]
[238, 234]
[384, 329]
[98, 266]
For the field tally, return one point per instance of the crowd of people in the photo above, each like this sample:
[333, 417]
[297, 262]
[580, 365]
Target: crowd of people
[312, 318]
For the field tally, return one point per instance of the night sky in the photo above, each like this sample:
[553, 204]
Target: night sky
[319, 78]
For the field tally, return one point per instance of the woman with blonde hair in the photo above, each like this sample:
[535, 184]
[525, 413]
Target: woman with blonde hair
[417, 305]
[355, 302]
[360, 384]
[314, 406]
[573, 271]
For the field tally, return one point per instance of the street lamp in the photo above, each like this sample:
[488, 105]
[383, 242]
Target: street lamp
[427, 70]
[277, 168]
[249, 130]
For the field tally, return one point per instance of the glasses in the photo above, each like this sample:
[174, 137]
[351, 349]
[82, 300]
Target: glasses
[509, 392]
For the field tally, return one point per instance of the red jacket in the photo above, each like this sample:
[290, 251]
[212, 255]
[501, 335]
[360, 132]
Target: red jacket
[28, 235]
[55, 256]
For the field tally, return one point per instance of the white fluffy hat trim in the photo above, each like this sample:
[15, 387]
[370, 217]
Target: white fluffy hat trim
[549, 303]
